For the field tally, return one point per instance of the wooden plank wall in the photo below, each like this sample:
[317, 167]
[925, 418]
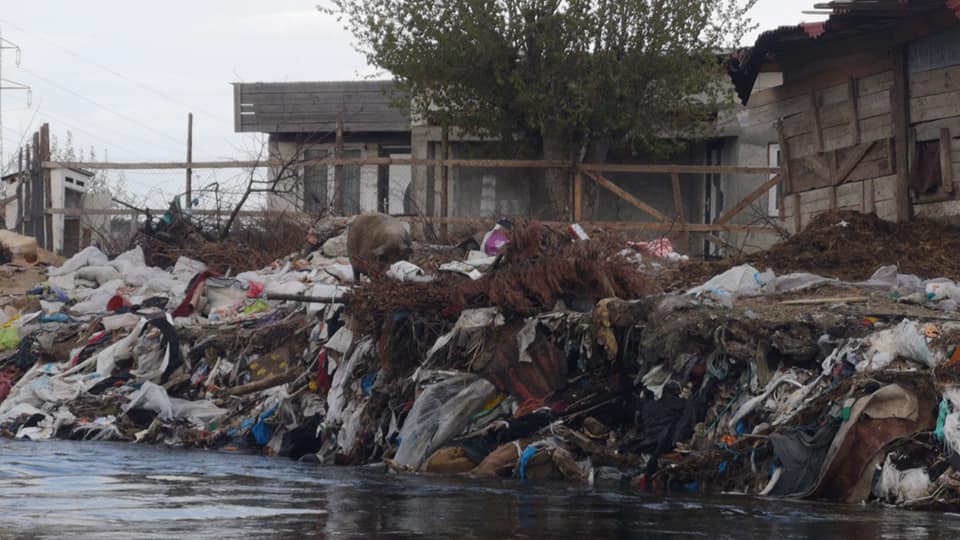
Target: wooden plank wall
[872, 195]
[934, 105]
[831, 128]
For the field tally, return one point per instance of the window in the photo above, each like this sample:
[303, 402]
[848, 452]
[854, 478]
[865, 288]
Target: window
[773, 196]
[351, 184]
[315, 184]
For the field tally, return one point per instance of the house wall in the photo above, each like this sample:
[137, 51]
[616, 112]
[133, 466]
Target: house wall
[832, 119]
[835, 115]
[933, 65]
[57, 199]
[291, 197]
[10, 212]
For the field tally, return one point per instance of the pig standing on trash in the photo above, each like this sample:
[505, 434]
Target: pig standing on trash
[375, 241]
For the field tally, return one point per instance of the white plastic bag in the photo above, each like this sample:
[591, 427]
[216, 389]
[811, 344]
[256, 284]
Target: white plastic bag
[88, 256]
[441, 411]
[743, 280]
[906, 340]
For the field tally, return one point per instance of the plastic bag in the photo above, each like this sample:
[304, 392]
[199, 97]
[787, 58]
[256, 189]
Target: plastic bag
[185, 268]
[906, 340]
[99, 274]
[900, 487]
[9, 338]
[97, 301]
[441, 411]
[743, 280]
[88, 256]
[799, 281]
[407, 271]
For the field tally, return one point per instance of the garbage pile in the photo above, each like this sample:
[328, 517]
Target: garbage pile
[552, 356]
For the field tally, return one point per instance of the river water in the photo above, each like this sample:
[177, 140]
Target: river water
[111, 490]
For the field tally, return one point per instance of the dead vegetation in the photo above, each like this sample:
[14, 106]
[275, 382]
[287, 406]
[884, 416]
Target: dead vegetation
[849, 246]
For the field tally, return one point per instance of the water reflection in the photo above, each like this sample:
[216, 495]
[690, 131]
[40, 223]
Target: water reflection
[106, 490]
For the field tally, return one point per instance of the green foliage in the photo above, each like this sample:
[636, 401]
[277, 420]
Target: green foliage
[556, 75]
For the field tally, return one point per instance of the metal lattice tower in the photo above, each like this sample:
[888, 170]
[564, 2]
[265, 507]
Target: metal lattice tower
[6, 84]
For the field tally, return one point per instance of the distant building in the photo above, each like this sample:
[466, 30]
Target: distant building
[300, 119]
[69, 190]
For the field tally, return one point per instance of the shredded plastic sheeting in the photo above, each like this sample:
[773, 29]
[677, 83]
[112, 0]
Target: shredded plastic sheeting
[440, 412]
[905, 340]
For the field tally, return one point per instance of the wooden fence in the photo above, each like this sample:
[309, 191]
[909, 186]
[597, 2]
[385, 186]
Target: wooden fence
[36, 210]
[594, 172]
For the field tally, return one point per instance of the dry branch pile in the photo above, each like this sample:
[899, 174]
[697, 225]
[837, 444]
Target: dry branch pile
[539, 267]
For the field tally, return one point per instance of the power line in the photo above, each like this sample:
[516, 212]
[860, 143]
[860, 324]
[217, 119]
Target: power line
[10, 85]
[105, 108]
[117, 74]
[78, 129]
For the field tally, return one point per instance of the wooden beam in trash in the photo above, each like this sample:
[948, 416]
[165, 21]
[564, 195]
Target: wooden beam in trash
[627, 196]
[263, 384]
[748, 200]
[306, 299]
[829, 300]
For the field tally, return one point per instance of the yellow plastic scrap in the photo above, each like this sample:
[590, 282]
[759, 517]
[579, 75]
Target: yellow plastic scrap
[257, 307]
[9, 338]
[10, 321]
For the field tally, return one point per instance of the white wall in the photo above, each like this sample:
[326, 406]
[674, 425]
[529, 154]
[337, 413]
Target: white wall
[293, 201]
[58, 199]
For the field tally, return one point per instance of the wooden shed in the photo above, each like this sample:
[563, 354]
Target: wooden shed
[868, 112]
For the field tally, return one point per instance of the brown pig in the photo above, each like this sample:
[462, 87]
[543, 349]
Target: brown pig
[375, 241]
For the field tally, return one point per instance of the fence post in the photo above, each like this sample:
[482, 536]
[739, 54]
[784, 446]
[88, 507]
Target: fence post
[678, 210]
[189, 159]
[444, 181]
[338, 170]
[47, 187]
[577, 195]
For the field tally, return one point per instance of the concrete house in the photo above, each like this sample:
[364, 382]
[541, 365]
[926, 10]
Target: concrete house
[301, 119]
[69, 190]
[868, 112]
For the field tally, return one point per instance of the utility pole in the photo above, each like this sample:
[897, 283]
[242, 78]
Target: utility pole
[189, 159]
[8, 85]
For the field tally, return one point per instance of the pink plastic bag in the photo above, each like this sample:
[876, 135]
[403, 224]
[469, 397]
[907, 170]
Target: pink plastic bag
[495, 240]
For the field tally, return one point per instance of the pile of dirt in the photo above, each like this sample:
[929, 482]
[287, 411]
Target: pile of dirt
[849, 246]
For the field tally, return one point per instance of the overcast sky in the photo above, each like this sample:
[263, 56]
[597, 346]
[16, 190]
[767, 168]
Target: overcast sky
[122, 75]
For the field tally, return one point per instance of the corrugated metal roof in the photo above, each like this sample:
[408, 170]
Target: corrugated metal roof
[846, 18]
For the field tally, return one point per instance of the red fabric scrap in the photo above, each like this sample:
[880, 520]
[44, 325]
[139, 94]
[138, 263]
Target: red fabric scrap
[324, 381]
[185, 309]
